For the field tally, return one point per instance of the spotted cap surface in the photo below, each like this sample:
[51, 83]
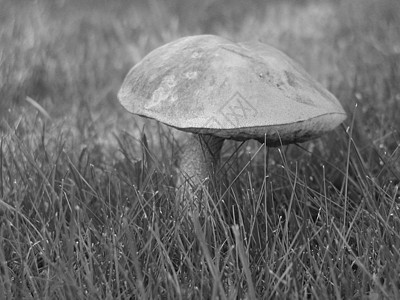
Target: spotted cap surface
[210, 85]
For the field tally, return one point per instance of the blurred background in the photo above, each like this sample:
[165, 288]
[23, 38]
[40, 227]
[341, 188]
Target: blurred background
[70, 57]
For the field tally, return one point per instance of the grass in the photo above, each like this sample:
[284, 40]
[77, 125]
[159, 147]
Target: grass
[87, 197]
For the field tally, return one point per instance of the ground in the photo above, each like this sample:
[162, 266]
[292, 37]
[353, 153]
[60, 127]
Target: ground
[88, 203]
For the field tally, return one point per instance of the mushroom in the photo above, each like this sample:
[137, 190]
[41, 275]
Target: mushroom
[218, 89]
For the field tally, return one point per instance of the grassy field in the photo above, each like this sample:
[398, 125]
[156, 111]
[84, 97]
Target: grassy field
[88, 207]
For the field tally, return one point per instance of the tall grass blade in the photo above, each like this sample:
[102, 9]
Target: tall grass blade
[38, 107]
[245, 263]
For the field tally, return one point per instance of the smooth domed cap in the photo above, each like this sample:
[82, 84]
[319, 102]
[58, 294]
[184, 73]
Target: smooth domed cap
[210, 85]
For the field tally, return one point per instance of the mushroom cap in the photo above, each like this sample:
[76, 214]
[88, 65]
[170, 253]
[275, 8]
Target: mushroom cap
[210, 85]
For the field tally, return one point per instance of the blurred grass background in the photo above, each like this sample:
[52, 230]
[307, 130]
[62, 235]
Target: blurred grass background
[70, 57]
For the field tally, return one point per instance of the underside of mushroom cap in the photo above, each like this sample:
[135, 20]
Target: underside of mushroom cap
[277, 135]
[211, 85]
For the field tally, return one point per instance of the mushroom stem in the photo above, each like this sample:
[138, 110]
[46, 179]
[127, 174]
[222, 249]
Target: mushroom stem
[199, 158]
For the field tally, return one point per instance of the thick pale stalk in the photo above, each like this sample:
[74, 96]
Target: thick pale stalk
[199, 159]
